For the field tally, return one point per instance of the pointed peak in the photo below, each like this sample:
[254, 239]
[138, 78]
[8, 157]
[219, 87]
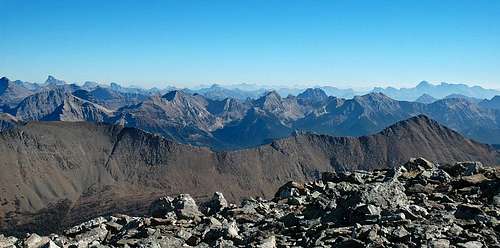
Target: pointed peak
[272, 93]
[425, 98]
[52, 80]
[423, 84]
[174, 94]
[418, 122]
[4, 84]
[373, 96]
[313, 93]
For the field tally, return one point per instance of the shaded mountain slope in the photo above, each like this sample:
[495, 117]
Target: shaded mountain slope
[12, 92]
[68, 172]
[60, 105]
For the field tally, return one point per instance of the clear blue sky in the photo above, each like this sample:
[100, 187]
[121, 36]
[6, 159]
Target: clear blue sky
[345, 43]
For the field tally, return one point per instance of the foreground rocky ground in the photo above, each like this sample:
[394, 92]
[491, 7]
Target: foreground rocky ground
[417, 205]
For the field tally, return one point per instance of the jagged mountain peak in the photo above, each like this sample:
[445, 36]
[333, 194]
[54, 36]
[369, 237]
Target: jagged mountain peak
[423, 84]
[374, 96]
[426, 98]
[175, 94]
[51, 80]
[313, 94]
[4, 84]
[269, 98]
[4, 79]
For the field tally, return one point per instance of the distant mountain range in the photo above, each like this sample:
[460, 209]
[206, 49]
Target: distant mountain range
[206, 117]
[439, 91]
[59, 173]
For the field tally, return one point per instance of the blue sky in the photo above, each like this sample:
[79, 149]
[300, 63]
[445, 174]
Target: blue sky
[344, 43]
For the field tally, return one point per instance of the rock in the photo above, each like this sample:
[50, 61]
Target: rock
[35, 241]
[467, 211]
[161, 207]
[86, 238]
[7, 242]
[440, 176]
[475, 179]
[415, 211]
[51, 244]
[216, 204]
[496, 200]
[419, 164]
[470, 244]
[349, 243]
[185, 207]
[267, 243]
[439, 243]
[468, 168]
[290, 189]
[85, 226]
[387, 195]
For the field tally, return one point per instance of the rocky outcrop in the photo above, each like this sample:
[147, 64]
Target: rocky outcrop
[420, 204]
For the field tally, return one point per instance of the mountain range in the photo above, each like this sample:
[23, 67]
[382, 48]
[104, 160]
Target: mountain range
[59, 173]
[234, 123]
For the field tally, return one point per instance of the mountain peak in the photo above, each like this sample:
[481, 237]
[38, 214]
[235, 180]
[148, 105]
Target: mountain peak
[423, 84]
[174, 94]
[416, 123]
[54, 81]
[311, 93]
[374, 96]
[426, 98]
[4, 84]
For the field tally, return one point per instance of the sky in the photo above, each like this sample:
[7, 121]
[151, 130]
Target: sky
[184, 43]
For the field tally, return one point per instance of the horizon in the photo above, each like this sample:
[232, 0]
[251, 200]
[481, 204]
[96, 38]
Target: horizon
[258, 86]
[346, 44]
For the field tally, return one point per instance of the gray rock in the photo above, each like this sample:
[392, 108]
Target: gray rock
[35, 241]
[470, 244]
[7, 242]
[216, 204]
[185, 207]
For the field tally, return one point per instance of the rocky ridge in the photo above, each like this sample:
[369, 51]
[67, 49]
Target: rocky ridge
[419, 204]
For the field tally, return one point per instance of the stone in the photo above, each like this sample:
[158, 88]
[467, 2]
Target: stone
[35, 241]
[269, 242]
[185, 207]
[161, 207]
[415, 211]
[95, 234]
[387, 195]
[7, 242]
[419, 164]
[440, 176]
[439, 243]
[467, 211]
[475, 179]
[290, 189]
[216, 204]
[470, 244]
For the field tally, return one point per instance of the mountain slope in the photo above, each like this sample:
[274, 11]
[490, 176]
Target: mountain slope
[79, 170]
[60, 105]
[425, 98]
[12, 92]
[493, 103]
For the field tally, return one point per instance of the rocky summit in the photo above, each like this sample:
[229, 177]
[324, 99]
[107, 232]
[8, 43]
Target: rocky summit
[418, 204]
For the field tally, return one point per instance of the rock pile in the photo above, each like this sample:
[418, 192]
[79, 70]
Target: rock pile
[419, 204]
